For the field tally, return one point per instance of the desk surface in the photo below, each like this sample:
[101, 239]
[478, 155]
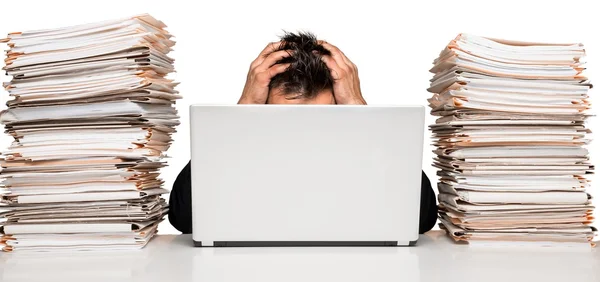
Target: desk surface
[435, 258]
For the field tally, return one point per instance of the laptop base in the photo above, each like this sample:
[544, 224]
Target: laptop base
[304, 244]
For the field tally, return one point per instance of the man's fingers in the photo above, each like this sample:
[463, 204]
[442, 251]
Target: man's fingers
[271, 47]
[338, 55]
[265, 76]
[273, 58]
[336, 71]
[277, 69]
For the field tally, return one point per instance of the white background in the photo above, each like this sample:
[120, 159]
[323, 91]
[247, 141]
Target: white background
[392, 43]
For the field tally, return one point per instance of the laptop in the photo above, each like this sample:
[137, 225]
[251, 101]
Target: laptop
[306, 175]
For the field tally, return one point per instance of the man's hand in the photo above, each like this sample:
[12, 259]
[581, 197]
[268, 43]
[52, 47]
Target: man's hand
[346, 85]
[262, 69]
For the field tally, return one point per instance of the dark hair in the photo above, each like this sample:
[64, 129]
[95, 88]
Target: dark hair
[307, 74]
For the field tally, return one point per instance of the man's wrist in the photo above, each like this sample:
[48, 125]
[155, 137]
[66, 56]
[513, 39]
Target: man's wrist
[247, 100]
[353, 101]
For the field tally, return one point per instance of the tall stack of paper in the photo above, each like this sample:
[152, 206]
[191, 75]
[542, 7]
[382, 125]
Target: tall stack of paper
[511, 141]
[92, 116]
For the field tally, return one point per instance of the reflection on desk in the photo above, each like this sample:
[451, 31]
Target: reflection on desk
[435, 258]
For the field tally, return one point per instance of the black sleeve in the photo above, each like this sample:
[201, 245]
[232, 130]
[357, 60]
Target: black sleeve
[180, 201]
[429, 209]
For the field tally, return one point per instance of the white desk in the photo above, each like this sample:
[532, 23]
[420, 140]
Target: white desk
[435, 258]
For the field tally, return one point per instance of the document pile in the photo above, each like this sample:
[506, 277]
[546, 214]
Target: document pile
[92, 114]
[511, 142]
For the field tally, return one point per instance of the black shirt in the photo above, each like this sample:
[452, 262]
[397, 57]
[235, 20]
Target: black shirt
[180, 203]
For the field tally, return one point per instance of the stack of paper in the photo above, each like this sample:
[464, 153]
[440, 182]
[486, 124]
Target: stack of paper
[511, 141]
[91, 116]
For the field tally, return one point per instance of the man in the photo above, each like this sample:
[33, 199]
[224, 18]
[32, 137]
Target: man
[297, 70]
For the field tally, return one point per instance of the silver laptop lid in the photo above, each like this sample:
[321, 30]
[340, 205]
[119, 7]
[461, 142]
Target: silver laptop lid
[306, 173]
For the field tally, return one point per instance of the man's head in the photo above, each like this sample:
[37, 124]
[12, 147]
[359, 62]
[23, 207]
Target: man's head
[307, 80]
